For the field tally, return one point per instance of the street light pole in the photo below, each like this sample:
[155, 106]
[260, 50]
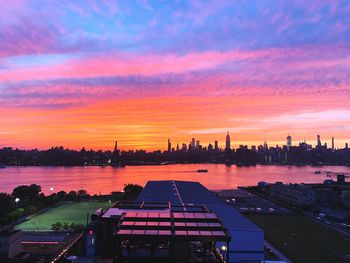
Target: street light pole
[223, 250]
[16, 201]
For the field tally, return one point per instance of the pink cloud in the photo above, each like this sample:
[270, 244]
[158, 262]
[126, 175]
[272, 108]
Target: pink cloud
[122, 65]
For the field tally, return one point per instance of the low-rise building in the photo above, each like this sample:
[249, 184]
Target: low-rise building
[247, 239]
[174, 221]
[158, 232]
[293, 194]
[10, 244]
[345, 197]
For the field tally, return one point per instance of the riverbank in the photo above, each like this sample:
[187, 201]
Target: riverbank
[184, 163]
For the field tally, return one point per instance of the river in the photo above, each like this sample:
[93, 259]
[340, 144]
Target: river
[107, 179]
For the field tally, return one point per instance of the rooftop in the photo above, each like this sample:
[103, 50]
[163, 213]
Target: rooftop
[191, 194]
[247, 239]
[142, 220]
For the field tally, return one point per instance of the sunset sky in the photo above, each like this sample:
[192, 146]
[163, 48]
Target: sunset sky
[87, 73]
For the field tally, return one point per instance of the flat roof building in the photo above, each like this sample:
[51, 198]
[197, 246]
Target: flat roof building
[294, 194]
[247, 240]
[158, 232]
[174, 221]
[10, 244]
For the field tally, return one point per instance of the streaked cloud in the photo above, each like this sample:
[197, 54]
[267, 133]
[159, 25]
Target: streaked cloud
[87, 72]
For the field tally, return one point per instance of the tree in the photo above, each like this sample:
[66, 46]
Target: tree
[30, 209]
[76, 227]
[82, 192]
[56, 226]
[26, 192]
[72, 196]
[131, 191]
[65, 226]
[14, 215]
[61, 195]
[6, 203]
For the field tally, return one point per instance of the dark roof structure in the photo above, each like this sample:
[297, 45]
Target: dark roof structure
[247, 240]
[157, 232]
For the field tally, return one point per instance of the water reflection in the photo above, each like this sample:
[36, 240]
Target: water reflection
[107, 179]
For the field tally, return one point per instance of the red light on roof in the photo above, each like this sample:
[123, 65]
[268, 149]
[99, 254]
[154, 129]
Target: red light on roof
[91, 232]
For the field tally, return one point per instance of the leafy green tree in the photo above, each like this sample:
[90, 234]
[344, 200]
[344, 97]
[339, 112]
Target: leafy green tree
[131, 191]
[65, 226]
[14, 215]
[30, 209]
[82, 192]
[51, 199]
[72, 196]
[7, 203]
[61, 196]
[76, 227]
[56, 226]
[26, 192]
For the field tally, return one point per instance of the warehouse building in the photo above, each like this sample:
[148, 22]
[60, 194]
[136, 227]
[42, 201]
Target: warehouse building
[247, 240]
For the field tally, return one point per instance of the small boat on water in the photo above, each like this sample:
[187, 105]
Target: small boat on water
[202, 171]
[317, 172]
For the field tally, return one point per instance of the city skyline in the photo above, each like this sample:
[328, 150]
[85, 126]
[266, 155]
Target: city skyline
[84, 73]
[228, 143]
[225, 143]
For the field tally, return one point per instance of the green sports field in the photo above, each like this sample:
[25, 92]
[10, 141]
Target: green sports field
[70, 213]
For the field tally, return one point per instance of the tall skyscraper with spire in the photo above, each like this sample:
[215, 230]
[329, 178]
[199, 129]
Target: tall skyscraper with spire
[228, 141]
[333, 143]
[265, 145]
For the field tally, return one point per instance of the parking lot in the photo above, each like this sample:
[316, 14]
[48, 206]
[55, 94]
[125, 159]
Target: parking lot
[248, 203]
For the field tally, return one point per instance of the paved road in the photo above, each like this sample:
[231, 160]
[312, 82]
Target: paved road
[331, 224]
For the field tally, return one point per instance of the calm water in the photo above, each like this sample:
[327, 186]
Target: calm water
[106, 180]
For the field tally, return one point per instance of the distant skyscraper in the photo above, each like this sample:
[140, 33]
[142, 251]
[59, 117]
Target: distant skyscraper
[319, 144]
[193, 143]
[177, 147]
[346, 145]
[115, 153]
[197, 144]
[216, 147]
[289, 141]
[265, 145]
[169, 145]
[333, 143]
[116, 146]
[228, 141]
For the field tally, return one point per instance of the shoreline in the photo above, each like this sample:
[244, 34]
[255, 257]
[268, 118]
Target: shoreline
[166, 164]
